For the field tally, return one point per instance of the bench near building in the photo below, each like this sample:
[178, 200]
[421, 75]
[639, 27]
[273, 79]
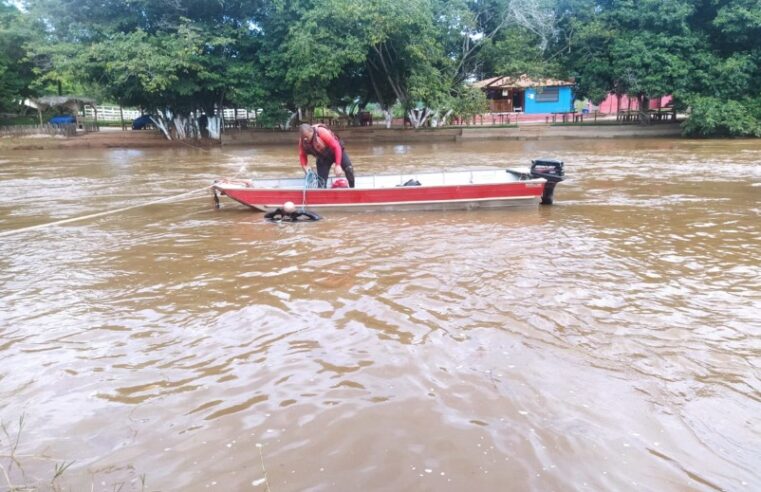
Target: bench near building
[525, 95]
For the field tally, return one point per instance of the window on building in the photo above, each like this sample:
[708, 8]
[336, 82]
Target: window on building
[547, 94]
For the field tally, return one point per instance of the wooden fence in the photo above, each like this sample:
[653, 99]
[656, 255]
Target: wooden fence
[111, 113]
[24, 130]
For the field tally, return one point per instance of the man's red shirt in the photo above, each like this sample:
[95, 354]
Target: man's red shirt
[329, 141]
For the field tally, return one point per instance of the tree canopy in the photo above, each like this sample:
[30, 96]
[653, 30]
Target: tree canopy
[704, 52]
[292, 56]
[16, 71]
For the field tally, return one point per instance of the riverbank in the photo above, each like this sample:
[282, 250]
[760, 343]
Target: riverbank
[150, 139]
[406, 135]
[105, 139]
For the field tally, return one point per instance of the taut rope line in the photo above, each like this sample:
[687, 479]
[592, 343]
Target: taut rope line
[309, 183]
[119, 210]
[103, 214]
[208, 149]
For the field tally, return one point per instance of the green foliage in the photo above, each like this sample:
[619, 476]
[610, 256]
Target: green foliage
[515, 53]
[754, 106]
[272, 116]
[15, 71]
[380, 49]
[641, 48]
[284, 55]
[470, 102]
[181, 69]
[181, 56]
[739, 21]
[717, 117]
[702, 52]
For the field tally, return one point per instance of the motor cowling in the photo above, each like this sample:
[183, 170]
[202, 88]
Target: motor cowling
[552, 171]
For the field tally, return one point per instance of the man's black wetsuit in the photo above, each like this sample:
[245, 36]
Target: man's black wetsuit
[280, 214]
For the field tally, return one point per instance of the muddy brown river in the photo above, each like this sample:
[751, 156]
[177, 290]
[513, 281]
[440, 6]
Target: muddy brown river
[609, 342]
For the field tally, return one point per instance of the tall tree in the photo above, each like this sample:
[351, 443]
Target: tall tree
[172, 58]
[704, 52]
[16, 72]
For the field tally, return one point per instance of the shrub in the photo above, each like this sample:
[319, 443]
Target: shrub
[712, 117]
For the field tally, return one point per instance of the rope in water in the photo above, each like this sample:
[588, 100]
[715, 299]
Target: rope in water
[208, 149]
[119, 210]
[174, 198]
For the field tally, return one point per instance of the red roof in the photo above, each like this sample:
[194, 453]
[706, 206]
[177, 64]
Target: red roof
[522, 82]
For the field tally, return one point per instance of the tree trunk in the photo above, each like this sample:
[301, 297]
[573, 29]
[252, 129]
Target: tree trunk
[179, 127]
[413, 117]
[644, 104]
[435, 119]
[289, 121]
[214, 126]
[418, 117]
[160, 122]
[445, 118]
[387, 117]
[221, 107]
[196, 129]
[438, 120]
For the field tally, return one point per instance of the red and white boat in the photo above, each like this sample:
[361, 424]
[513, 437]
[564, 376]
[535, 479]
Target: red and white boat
[447, 190]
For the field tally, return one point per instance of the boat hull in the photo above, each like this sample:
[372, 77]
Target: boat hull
[403, 198]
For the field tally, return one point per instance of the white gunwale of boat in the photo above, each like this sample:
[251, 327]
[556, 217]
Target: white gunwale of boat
[475, 177]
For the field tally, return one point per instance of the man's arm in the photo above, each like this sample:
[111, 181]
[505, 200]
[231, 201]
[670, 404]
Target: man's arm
[333, 143]
[302, 157]
[274, 215]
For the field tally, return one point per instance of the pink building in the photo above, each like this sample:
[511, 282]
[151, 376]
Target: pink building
[612, 104]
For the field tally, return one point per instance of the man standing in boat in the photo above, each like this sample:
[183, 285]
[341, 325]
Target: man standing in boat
[319, 141]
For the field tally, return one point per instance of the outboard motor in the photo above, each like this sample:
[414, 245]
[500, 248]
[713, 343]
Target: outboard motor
[552, 171]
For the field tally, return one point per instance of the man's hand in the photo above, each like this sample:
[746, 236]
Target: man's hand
[339, 171]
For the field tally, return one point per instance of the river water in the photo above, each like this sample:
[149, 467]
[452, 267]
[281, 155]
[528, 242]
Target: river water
[609, 342]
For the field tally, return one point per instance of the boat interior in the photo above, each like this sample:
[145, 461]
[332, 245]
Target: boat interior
[443, 178]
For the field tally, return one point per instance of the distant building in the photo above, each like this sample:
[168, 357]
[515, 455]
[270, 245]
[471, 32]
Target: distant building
[523, 94]
[623, 102]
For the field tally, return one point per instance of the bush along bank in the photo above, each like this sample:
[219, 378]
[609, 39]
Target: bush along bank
[713, 117]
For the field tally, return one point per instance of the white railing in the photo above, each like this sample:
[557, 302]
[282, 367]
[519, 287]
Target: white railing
[242, 114]
[111, 113]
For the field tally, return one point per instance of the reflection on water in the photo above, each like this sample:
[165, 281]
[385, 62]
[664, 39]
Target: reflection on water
[609, 342]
